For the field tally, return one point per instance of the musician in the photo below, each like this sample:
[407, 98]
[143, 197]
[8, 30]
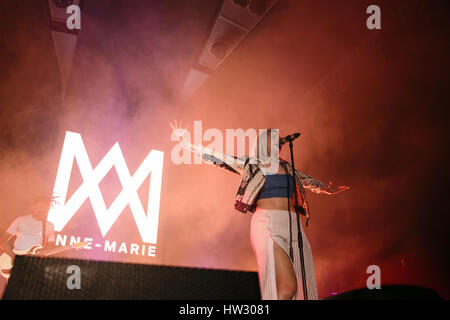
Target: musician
[267, 190]
[29, 229]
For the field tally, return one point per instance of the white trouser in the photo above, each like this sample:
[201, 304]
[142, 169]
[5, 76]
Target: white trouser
[267, 227]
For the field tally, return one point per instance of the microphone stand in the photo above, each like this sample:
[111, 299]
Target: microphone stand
[299, 233]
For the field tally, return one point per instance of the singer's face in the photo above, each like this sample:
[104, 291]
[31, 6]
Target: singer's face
[271, 143]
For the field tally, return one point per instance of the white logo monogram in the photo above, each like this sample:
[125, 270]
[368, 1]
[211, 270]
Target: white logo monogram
[74, 149]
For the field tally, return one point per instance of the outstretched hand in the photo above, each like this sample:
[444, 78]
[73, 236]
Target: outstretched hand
[336, 189]
[178, 130]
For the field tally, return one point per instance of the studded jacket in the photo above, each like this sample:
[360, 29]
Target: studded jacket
[253, 178]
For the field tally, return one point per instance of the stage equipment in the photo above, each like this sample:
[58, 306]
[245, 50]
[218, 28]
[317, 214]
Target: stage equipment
[47, 278]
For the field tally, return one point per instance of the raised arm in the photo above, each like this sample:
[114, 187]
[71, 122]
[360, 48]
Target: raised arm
[318, 186]
[209, 156]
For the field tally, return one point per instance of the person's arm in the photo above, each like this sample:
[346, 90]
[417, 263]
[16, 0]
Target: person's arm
[209, 156]
[4, 243]
[10, 232]
[50, 244]
[318, 186]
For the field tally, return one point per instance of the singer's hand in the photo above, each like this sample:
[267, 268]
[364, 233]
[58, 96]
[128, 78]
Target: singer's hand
[178, 130]
[335, 189]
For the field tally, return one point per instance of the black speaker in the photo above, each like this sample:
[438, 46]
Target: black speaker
[47, 278]
[389, 292]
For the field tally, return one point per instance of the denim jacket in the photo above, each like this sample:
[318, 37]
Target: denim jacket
[253, 178]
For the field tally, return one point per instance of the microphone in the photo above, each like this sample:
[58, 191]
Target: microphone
[290, 137]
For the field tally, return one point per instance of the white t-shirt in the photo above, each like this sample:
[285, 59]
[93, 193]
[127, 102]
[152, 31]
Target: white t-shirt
[29, 232]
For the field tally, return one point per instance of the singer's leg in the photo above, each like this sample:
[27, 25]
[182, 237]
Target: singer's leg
[285, 275]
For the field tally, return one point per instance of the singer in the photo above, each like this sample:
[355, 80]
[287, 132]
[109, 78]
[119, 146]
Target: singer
[267, 190]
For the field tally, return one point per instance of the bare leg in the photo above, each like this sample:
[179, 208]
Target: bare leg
[285, 275]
